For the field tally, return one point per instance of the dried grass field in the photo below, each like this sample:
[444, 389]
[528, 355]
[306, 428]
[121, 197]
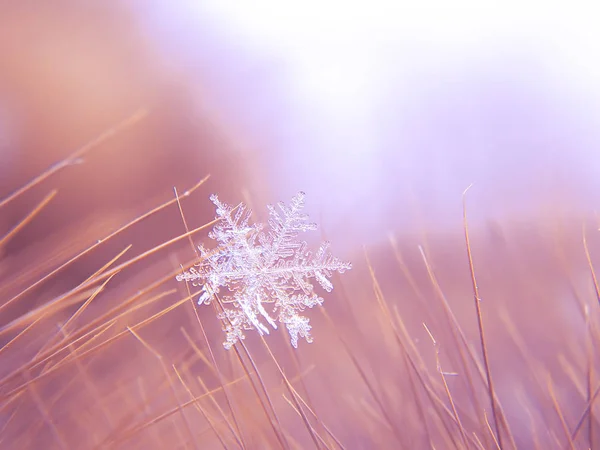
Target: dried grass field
[101, 348]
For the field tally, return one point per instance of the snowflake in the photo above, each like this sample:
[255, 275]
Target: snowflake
[259, 268]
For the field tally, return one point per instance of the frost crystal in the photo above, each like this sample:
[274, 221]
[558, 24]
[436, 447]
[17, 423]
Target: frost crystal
[257, 268]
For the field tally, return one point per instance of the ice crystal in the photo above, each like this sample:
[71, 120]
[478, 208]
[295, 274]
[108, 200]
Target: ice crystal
[252, 269]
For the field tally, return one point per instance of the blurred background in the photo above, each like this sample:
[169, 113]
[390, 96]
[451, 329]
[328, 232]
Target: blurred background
[382, 112]
[378, 107]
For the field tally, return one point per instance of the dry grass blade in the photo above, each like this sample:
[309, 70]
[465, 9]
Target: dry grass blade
[58, 303]
[560, 414]
[75, 157]
[95, 348]
[477, 301]
[175, 398]
[199, 408]
[7, 237]
[213, 365]
[461, 428]
[93, 247]
[313, 433]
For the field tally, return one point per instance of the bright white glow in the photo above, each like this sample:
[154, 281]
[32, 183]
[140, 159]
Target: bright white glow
[482, 78]
[321, 37]
[343, 56]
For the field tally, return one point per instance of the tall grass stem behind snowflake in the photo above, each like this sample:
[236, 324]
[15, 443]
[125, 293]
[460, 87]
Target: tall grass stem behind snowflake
[263, 276]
